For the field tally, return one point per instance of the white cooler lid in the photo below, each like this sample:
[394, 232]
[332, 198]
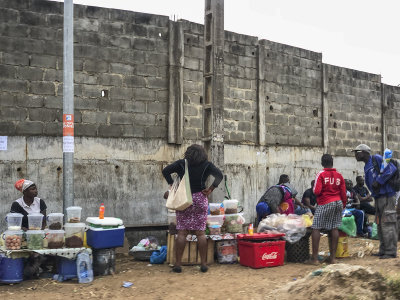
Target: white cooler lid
[107, 221]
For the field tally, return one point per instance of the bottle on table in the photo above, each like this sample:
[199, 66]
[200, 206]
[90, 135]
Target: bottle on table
[101, 211]
[251, 229]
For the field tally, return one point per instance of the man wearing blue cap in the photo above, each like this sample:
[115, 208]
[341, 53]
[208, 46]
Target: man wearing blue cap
[378, 175]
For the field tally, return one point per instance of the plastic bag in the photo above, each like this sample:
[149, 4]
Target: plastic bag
[374, 234]
[180, 196]
[227, 251]
[149, 243]
[293, 226]
[158, 257]
[349, 226]
[308, 220]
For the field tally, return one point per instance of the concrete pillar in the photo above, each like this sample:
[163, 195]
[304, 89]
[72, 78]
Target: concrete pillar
[213, 109]
[325, 108]
[261, 95]
[175, 96]
[384, 102]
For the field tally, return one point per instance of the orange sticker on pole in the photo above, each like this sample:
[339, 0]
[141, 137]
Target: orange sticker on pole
[68, 125]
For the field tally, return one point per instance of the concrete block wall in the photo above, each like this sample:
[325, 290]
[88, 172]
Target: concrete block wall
[355, 110]
[392, 118]
[193, 80]
[121, 71]
[292, 82]
[240, 94]
[121, 109]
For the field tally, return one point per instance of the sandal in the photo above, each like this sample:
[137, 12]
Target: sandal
[204, 269]
[177, 269]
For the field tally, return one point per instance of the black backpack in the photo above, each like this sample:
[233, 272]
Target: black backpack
[394, 181]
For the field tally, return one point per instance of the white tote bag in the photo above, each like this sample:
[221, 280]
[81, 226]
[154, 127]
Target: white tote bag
[180, 196]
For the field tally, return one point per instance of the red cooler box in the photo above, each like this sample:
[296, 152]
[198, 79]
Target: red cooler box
[261, 250]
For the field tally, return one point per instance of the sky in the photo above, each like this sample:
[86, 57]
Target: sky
[356, 34]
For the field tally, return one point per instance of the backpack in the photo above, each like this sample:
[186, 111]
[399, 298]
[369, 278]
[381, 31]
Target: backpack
[394, 181]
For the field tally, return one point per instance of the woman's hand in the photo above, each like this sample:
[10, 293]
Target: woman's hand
[166, 194]
[208, 191]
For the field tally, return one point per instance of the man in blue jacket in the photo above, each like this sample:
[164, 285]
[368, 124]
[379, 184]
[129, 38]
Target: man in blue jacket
[385, 202]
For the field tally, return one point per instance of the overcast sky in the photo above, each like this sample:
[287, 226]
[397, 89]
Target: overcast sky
[356, 34]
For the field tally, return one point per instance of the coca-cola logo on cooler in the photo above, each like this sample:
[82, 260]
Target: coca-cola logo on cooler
[269, 256]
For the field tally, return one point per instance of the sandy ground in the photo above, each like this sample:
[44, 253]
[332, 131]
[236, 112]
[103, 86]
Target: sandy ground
[220, 282]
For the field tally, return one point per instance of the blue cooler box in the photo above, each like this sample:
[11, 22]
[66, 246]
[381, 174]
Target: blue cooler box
[99, 238]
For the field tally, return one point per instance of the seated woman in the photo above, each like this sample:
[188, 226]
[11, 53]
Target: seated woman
[277, 199]
[29, 202]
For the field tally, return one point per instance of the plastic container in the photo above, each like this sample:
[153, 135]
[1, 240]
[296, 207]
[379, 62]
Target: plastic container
[35, 221]
[234, 223]
[227, 251]
[215, 208]
[84, 267]
[104, 262]
[35, 239]
[12, 239]
[99, 238]
[55, 221]
[74, 214]
[231, 206]
[215, 220]
[105, 223]
[11, 269]
[261, 250]
[214, 229]
[74, 234]
[55, 239]
[14, 221]
[343, 245]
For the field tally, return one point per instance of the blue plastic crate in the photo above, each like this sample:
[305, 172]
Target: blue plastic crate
[99, 238]
[66, 268]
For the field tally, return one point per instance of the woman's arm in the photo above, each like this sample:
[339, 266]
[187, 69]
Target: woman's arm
[216, 173]
[218, 176]
[175, 167]
[43, 208]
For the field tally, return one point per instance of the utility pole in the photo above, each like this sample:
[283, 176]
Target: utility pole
[213, 109]
[68, 106]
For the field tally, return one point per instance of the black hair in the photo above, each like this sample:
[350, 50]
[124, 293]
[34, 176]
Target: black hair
[327, 161]
[283, 179]
[359, 177]
[195, 155]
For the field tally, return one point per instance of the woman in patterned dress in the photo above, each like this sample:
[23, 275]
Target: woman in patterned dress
[193, 219]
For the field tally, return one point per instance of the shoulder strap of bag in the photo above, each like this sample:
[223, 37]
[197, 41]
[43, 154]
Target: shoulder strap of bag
[375, 164]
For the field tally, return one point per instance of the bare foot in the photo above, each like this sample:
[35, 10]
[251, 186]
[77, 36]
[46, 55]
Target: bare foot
[331, 261]
[312, 262]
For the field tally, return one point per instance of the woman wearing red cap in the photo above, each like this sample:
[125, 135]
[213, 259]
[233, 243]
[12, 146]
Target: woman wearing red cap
[29, 202]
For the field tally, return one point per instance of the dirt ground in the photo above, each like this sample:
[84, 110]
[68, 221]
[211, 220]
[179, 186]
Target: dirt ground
[291, 281]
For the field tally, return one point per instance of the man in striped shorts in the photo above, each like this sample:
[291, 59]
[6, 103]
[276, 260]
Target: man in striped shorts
[330, 190]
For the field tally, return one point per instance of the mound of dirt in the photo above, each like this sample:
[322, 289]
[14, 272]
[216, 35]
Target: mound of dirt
[338, 281]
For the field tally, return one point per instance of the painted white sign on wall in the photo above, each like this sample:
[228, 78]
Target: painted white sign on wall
[3, 143]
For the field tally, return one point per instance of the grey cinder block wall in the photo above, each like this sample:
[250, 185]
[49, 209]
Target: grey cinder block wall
[122, 92]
